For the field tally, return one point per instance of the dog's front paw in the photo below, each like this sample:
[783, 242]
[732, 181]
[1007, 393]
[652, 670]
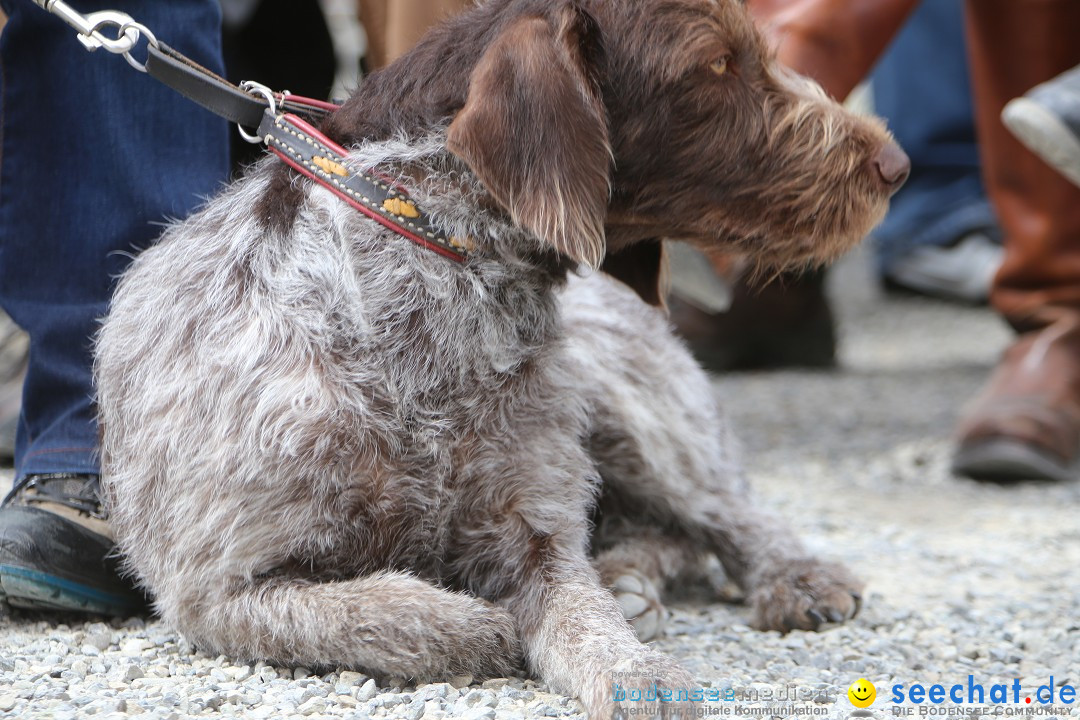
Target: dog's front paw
[498, 650]
[652, 685]
[640, 603]
[484, 638]
[804, 594]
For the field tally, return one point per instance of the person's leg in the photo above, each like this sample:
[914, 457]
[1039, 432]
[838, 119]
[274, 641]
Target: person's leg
[1026, 422]
[836, 42]
[408, 20]
[394, 26]
[940, 234]
[95, 156]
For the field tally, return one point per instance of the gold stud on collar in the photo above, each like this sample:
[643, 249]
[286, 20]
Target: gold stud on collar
[459, 243]
[404, 208]
[329, 166]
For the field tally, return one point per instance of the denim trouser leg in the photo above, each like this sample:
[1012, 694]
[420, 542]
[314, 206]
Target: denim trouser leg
[921, 87]
[95, 157]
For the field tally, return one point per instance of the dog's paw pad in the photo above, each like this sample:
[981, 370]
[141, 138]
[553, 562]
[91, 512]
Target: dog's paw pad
[640, 603]
[806, 594]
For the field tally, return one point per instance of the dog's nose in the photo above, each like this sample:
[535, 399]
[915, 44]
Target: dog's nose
[891, 165]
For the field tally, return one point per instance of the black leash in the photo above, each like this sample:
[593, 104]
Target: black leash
[217, 94]
[118, 33]
[280, 119]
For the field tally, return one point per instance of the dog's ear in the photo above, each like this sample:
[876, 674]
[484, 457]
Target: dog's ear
[534, 131]
[642, 266]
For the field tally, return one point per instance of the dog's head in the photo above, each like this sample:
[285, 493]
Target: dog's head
[603, 126]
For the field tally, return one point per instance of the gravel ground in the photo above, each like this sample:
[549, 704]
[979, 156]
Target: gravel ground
[963, 579]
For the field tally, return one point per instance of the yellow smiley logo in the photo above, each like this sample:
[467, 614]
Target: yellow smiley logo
[862, 693]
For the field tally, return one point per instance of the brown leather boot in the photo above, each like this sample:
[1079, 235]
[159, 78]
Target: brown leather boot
[1026, 421]
[836, 42]
[786, 323]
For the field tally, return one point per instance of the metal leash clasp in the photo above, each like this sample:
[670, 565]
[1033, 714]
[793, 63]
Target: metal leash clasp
[267, 94]
[92, 29]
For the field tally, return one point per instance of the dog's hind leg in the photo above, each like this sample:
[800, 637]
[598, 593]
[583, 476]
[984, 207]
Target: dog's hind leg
[387, 624]
[660, 444]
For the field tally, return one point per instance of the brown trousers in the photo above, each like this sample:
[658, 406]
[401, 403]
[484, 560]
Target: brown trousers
[836, 42]
[1013, 45]
[394, 26]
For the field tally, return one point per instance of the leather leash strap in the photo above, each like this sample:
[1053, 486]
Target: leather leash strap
[217, 94]
[251, 105]
[302, 146]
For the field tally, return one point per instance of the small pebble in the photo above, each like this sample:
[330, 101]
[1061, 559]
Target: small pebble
[100, 640]
[134, 647]
[415, 710]
[348, 678]
[461, 681]
[367, 691]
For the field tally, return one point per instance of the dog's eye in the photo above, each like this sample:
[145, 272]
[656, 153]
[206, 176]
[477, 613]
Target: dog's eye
[720, 66]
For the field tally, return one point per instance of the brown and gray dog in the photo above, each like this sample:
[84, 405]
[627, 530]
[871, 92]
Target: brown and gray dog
[326, 445]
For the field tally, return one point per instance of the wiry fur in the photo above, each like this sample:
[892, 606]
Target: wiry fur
[325, 445]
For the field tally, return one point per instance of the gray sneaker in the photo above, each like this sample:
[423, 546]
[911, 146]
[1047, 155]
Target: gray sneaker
[962, 271]
[1047, 120]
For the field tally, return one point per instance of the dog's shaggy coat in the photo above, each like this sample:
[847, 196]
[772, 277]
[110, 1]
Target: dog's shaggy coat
[325, 445]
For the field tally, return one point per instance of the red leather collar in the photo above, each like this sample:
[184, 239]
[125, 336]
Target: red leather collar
[311, 153]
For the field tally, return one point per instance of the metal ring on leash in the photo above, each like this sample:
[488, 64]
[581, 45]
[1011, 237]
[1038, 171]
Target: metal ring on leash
[125, 40]
[140, 29]
[91, 27]
[120, 34]
[257, 89]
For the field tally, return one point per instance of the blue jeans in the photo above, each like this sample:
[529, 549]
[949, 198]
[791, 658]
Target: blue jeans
[921, 87]
[95, 157]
